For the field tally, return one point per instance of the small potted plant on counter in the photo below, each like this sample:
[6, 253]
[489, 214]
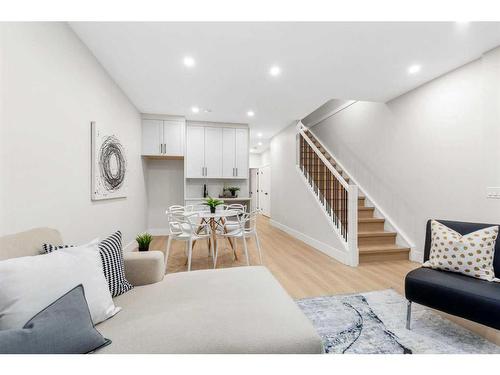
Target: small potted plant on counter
[233, 190]
[213, 203]
[143, 240]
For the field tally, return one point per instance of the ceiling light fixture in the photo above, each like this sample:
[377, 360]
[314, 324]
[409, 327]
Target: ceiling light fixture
[414, 69]
[275, 70]
[195, 109]
[189, 61]
[250, 113]
[259, 135]
[260, 143]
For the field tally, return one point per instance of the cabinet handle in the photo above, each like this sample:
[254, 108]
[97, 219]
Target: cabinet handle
[203, 171]
[236, 171]
[206, 171]
[164, 148]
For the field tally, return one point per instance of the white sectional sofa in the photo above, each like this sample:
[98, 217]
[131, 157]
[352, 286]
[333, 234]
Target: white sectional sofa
[236, 310]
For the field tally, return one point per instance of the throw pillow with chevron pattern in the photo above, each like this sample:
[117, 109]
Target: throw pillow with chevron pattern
[113, 266]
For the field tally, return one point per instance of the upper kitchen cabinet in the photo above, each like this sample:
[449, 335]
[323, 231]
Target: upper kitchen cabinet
[163, 138]
[235, 153]
[241, 153]
[216, 152]
[195, 152]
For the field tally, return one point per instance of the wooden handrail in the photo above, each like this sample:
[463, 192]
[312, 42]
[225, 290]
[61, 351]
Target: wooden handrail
[338, 198]
[324, 160]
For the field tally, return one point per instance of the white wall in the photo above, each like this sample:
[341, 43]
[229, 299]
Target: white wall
[293, 207]
[165, 187]
[430, 153]
[52, 87]
[255, 160]
[266, 157]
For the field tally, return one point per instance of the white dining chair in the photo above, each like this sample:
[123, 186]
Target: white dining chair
[237, 207]
[245, 228]
[175, 208]
[183, 227]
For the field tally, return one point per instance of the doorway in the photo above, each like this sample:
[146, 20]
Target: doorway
[254, 188]
[264, 191]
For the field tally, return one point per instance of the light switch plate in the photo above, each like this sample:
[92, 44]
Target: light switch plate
[493, 193]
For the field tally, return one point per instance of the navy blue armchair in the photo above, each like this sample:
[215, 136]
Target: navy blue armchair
[454, 293]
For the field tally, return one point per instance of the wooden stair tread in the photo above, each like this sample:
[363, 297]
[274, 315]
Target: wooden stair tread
[383, 250]
[366, 208]
[370, 220]
[376, 234]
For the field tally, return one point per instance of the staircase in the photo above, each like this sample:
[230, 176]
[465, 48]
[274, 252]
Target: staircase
[374, 243]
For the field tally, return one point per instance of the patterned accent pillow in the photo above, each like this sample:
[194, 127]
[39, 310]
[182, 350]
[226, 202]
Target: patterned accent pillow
[469, 254]
[113, 266]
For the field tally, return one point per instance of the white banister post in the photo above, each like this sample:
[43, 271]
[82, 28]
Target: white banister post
[297, 143]
[352, 225]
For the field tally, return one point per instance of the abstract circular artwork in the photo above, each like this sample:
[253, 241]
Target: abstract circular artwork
[109, 165]
[112, 163]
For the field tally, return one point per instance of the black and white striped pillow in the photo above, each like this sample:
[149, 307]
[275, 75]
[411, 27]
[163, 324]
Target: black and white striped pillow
[113, 266]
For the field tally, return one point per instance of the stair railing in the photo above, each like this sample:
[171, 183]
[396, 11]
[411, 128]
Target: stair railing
[338, 198]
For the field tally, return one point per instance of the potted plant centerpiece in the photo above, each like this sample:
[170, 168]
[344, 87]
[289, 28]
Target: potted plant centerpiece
[213, 203]
[143, 240]
[233, 190]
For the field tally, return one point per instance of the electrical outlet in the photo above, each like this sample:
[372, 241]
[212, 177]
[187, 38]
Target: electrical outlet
[493, 193]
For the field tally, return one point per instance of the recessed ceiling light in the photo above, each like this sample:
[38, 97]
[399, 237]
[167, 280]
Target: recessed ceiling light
[189, 61]
[275, 70]
[414, 69]
[195, 109]
[250, 113]
[259, 135]
[260, 143]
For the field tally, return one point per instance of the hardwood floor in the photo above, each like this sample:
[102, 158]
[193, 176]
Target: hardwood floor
[302, 270]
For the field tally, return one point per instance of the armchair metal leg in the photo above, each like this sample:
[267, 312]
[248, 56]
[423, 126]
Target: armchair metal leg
[408, 315]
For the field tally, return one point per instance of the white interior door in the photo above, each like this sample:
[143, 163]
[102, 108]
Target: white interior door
[213, 152]
[228, 152]
[265, 190]
[254, 184]
[195, 152]
[241, 164]
[151, 137]
[173, 138]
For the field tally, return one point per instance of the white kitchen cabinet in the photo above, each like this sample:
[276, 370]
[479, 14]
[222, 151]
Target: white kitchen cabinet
[162, 138]
[152, 133]
[195, 152]
[173, 138]
[235, 153]
[228, 152]
[213, 152]
[216, 152]
[241, 153]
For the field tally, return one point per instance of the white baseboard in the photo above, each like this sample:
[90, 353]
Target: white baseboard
[416, 256]
[337, 254]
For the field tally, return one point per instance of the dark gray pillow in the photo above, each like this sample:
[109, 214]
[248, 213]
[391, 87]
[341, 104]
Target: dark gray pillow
[63, 327]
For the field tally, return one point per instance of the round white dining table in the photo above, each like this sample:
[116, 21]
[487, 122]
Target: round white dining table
[215, 220]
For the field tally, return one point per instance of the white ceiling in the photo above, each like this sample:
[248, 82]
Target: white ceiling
[319, 61]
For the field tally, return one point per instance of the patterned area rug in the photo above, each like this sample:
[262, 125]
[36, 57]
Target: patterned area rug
[374, 323]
